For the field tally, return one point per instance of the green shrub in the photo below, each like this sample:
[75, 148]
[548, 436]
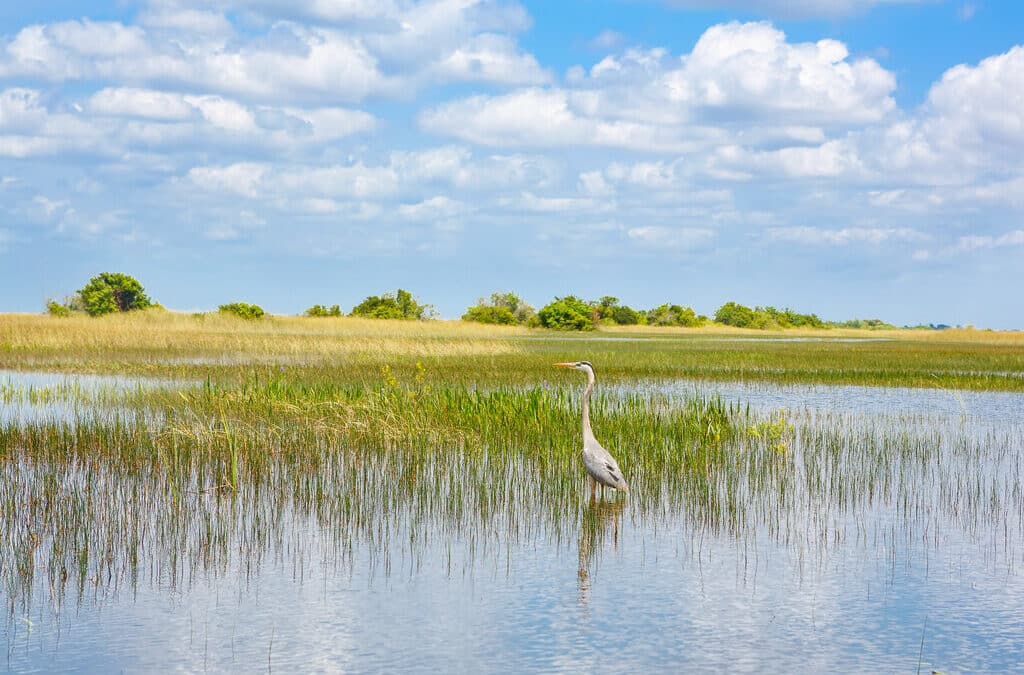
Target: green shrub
[610, 312]
[675, 315]
[113, 292]
[568, 313]
[321, 310]
[869, 324]
[502, 308]
[54, 308]
[502, 316]
[242, 310]
[734, 314]
[399, 305]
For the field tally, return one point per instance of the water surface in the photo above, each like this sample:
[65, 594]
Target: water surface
[886, 537]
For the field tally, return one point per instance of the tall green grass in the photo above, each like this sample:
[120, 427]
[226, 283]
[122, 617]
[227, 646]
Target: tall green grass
[389, 469]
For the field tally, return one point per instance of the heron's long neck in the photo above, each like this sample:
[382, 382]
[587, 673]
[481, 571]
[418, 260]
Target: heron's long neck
[588, 433]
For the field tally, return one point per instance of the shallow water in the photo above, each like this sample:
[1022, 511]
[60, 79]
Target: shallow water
[993, 406]
[28, 397]
[697, 338]
[896, 546]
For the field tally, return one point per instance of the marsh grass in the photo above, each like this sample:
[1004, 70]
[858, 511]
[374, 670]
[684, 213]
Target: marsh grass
[349, 350]
[390, 470]
[392, 440]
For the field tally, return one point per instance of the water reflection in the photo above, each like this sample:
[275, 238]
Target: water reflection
[834, 549]
[30, 397]
[600, 519]
[994, 406]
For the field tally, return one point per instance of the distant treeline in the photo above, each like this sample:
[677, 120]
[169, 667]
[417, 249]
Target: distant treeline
[573, 313]
[116, 292]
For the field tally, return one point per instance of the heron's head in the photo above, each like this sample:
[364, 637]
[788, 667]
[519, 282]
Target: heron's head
[577, 365]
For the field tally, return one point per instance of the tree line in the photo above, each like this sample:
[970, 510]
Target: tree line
[111, 292]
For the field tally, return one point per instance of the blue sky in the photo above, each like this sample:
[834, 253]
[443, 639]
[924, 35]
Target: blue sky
[853, 158]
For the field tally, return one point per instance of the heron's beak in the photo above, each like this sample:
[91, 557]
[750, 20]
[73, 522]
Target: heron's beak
[564, 365]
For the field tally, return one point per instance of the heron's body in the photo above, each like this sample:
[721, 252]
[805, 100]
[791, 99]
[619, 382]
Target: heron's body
[599, 463]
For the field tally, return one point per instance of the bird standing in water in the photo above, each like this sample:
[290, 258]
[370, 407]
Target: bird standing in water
[601, 466]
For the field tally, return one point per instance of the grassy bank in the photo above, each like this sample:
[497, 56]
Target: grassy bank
[347, 350]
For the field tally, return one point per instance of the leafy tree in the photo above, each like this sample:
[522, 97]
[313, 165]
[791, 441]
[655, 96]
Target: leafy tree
[321, 310]
[522, 310]
[674, 315]
[609, 311]
[242, 310]
[734, 314]
[113, 292]
[399, 305]
[627, 316]
[568, 313]
[502, 308]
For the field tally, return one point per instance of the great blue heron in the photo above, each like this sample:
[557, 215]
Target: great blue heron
[600, 465]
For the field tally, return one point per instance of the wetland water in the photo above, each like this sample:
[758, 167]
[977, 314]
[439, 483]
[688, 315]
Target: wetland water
[885, 534]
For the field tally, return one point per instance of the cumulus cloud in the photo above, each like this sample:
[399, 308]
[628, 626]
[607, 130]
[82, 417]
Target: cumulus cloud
[737, 76]
[971, 124]
[407, 46]
[114, 121]
[404, 174]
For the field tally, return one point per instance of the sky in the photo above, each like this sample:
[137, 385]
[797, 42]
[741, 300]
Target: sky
[852, 158]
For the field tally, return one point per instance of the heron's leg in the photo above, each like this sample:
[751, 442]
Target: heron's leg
[593, 488]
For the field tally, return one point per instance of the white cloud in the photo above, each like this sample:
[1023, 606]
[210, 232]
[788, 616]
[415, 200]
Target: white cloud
[145, 103]
[527, 201]
[116, 121]
[846, 236]
[542, 118]
[671, 237]
[324, 188]
[971, 125]
[393, 49]
[193, 21]
[243, 178]
[491, 58]
[456, 166]
[738, 76]
[593, 183]
[432, 208]
[973, 242]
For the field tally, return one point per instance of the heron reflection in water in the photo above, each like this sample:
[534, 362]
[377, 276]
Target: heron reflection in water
[600, 519]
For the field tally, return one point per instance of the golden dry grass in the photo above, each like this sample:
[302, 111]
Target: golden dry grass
[352, 349]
